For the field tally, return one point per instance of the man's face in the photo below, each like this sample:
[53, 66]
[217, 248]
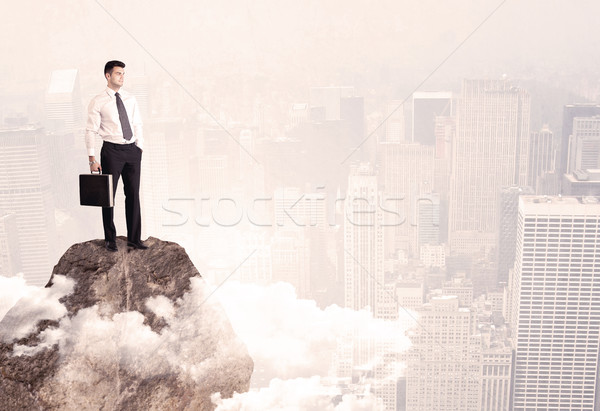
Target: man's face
[115, 77]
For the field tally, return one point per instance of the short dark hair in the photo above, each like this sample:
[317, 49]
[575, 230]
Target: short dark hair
[108, 67]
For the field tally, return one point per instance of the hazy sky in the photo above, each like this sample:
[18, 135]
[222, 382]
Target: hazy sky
[299, 42]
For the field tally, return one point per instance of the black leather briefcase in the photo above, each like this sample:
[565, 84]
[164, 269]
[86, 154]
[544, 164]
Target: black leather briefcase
[96, 190]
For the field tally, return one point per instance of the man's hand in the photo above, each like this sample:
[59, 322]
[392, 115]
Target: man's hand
[94, 165]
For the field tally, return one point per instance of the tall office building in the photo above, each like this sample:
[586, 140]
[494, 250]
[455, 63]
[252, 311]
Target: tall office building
[63, 105]
[582, 183]
[427, 105]
[453, 364]
[408, 176]
[363, 240]
[428, 220]
[25, 189]
[554, 308]
[306, 212]
[258, 268]
[395, 126]
[490, 152]
[496, 377]
[444, 366]
[10, 256]
[352, 116]
[542, 156]
[569, 113]
[507, 229]
[64, 131]
[584, 144]
[290, 260]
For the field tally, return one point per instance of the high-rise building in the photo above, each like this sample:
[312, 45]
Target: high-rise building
[427, 105]
[408, 175]
[409, 294]
[453, 364]
[25, 189]
[569, 113]
[444, 366]
[582, 183]
[490, 152]
[496, 377]
[64, 110]
[290, 260]
[258, 268]
[461, 287]
[428, 219]
[64, 130]
[584, 144]
[352, 116]
[554, 308]
[363, 240]
[507, 228]
[542, 156]
[10, 256]
[395, 127]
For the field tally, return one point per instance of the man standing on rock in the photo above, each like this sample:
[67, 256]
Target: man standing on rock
[114, 115]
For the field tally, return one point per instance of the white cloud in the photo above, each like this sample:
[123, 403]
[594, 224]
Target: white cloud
[32, 305]
[299, 394]
[289, 337]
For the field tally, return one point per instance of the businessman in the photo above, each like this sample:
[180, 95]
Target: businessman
[114, 115]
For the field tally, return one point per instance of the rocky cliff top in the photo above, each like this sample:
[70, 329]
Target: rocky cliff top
[135, 329]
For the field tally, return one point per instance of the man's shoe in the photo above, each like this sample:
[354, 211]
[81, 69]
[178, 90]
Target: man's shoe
[138, 245]
[111, 246]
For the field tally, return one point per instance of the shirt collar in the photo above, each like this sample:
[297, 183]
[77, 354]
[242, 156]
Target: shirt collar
[111, 92]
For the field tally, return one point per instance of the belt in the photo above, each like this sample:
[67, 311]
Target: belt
[115, 145]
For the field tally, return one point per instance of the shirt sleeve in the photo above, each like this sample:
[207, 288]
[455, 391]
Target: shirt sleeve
[92, 126]
[138, 131]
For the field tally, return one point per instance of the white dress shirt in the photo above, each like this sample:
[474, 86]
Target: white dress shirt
[103, 120]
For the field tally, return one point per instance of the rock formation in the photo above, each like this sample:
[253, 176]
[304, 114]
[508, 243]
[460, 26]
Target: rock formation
[131, 330]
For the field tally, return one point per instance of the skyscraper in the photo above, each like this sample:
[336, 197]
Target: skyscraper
[10, 258]
[542, 156]
[554, 306]
[395, 124]
[507, 228]
[25, 189]
[490, 152]
[408, 176]
[363, 240]
[64, 111]
[569, 113]
[425, 108]
[584, 144]
[444, 366]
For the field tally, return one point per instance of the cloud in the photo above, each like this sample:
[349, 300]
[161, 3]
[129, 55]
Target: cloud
[11, 290]
[299, 394]
[31, 304]
[289, 337]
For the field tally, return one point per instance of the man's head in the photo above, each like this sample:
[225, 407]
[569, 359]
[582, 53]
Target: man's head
[114, 73]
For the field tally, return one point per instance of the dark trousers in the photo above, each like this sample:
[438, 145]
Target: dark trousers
[123, 160]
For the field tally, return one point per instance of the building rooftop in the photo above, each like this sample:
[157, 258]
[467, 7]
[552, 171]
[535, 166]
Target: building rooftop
[582, 205]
